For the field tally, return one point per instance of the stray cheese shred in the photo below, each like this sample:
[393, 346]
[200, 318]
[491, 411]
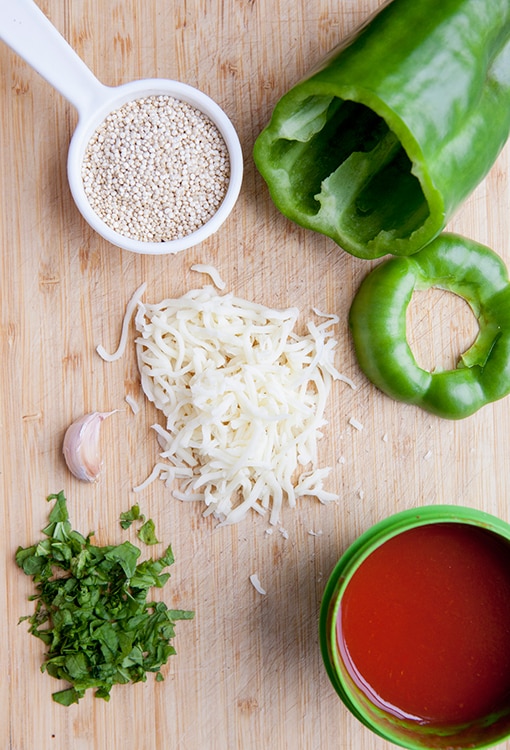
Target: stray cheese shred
[212, 272]
[255, 581]
[130, 309]
[244, 398]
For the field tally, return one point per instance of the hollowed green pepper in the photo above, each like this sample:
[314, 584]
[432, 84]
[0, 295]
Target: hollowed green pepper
[378, 324]
[379, 146]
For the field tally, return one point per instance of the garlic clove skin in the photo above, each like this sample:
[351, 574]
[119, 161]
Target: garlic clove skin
[81, 446]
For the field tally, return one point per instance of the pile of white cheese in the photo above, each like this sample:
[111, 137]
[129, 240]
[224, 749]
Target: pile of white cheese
[243, 397]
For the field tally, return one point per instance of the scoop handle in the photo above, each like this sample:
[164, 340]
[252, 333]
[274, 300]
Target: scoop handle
[25, 28]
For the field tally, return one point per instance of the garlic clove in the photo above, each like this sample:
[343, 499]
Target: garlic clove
[81, 446]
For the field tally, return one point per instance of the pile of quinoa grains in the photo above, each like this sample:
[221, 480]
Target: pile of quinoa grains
[156, 170]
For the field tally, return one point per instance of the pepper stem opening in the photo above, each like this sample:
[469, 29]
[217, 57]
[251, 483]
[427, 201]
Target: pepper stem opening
[347, 170]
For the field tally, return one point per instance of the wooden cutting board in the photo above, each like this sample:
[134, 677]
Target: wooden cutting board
[248, 672]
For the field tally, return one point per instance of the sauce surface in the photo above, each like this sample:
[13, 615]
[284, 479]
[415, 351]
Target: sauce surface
[424, 624]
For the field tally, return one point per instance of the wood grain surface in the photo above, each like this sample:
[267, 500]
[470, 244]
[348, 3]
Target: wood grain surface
[248, 673]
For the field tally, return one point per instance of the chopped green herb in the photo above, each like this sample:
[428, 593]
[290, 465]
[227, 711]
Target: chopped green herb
[92, 611]
[127, 518]
[147, 533]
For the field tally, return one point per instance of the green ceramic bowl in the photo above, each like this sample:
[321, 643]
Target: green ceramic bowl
[480, 732]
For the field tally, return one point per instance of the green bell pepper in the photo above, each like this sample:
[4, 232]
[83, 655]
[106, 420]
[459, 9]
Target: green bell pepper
[378, 146]
[377, 320]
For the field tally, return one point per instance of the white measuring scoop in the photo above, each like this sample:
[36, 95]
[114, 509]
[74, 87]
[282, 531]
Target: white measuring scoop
[25, 28]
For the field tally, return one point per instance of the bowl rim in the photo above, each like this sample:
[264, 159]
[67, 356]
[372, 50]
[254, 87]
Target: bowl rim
[349, 562]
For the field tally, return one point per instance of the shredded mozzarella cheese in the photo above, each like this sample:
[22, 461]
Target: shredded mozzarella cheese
[131, 402]
[255, 581]
[212, 272]
[356, 423]
[130, 309]
[244, 399]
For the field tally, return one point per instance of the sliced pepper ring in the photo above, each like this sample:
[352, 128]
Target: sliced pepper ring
[378, 324]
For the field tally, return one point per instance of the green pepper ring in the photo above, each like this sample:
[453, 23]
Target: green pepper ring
[378, 324]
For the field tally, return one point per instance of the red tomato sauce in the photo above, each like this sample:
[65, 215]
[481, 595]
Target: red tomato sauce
[424, 624]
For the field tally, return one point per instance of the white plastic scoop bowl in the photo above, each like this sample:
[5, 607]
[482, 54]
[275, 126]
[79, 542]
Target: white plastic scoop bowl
[25, 28]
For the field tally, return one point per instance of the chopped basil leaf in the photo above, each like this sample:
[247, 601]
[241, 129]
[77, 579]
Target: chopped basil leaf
[91, 607]
[127, 518]
[147, 533]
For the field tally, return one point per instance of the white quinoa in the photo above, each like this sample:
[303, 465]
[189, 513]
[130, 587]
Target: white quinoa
[156, 169]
